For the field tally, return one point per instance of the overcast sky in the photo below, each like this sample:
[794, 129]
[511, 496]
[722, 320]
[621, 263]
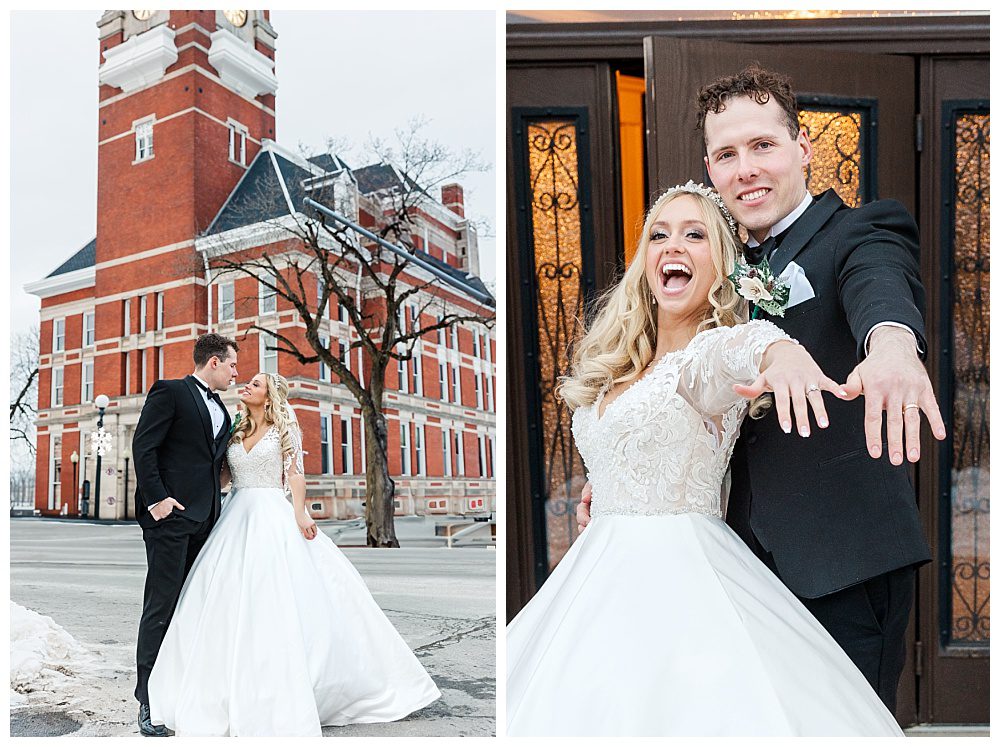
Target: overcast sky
[341, 75]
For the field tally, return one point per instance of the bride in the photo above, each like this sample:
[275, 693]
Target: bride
[275, 633]
[659, 620]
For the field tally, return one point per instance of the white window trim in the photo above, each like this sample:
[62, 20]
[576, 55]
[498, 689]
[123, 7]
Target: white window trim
[482, 456]
[142, 128]
[403, 374]
[92, 327]
[127, 324]
[420, 446]
[265, 354]
[237, 129]
[86, 397]
[159, 310]
[231, 286]
[266, 294]
[460, 452]
[404, 448]
[59, 340]
[326, 423]
[58, 375]
[159, 366]
[443, 380]
[142, 314]
[479, 390]
[325, 373]
[418, 374]
[446, 449]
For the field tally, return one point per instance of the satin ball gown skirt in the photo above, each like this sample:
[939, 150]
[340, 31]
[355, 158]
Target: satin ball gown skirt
[276, 635]
[669, 625]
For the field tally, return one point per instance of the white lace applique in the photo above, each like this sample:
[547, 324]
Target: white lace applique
[265, 466]
[292, 464]
[650, 453]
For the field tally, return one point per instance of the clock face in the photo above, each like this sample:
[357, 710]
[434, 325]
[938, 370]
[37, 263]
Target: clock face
[143, 15]
[236, 17]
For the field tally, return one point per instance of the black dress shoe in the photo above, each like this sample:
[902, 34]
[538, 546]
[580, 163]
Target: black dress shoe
[146, 727]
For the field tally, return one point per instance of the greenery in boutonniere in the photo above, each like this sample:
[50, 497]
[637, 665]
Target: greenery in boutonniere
[236, 422]
[758, 285]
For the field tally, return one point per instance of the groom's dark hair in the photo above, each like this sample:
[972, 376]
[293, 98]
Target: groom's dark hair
[753, 82]
[212, 344]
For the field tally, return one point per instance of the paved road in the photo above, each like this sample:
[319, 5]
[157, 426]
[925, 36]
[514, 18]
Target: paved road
[89, 578]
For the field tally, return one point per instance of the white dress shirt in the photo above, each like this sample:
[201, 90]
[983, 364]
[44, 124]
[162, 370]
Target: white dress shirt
[786, 223]
[214, 410]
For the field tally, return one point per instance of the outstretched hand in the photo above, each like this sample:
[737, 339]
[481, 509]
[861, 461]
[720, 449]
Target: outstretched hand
[793, 376]
[893, 380]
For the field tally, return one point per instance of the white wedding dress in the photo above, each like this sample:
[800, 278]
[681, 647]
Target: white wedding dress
[659, 620]
[273, 634]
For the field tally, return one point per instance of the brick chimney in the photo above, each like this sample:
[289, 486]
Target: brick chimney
[453, 198]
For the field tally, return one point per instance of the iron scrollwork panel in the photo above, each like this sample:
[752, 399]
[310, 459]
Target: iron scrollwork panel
[554, 170]
[841, 132]
[965, 495]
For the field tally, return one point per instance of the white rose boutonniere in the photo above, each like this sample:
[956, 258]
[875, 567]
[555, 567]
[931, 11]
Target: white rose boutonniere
[758, 285]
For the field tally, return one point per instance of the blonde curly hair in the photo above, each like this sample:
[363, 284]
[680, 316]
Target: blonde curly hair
[277, 412]
[621, 340]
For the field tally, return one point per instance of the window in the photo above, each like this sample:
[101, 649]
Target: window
[456, 384]
[489, 392]
[142, 314]
[159, 310]
[454, 338]
[401, 320]
[443, 380]
[414, 318]
[127, 317]
[479, 390]
[268, 297]
[320, 290]
[57, 386]
[460, 453]
[482, 456]
[342, 314]
[401, 374]
[345, 354]
[159, 364]
[268, 353]
[87, 382]
[89, 336]
[418, 445]
[441, 332]
[237, 143]
[324, 370]
[227, 302]
[55, 473]
[128, 373]
[142, 370]
[418, 374]
[446, 451]
[476, 349]
[346, 447]
[404, 448]
[486, 346]
[143, 140]
[491, 454]
[324, 444]
[58, 335]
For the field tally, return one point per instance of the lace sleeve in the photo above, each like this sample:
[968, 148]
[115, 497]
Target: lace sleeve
[292, 464]
[722, 357]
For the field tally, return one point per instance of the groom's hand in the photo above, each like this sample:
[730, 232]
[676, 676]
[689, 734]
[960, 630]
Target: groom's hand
[893, 380]
[164, 508]
[583, 507]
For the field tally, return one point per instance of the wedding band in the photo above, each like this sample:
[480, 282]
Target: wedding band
[910, 406]
[812, 388]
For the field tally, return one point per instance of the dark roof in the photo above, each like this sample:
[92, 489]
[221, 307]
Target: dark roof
[258, 196]
[382, 176]
[329, 163]
[86, 257]
[465, 277]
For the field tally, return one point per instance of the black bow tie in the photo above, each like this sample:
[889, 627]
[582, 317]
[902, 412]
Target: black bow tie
[754, 254]
[208, 392]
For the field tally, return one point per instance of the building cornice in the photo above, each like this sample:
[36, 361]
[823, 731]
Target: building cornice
[240, 66]
[63, 283]
[140, 60]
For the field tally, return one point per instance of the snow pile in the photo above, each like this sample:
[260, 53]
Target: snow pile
[41, 653]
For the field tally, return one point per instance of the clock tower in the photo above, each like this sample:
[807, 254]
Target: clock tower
[186, 99]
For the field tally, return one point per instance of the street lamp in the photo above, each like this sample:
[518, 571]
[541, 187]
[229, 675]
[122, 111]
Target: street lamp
[75, 458]
[128, 455]
[101, 444]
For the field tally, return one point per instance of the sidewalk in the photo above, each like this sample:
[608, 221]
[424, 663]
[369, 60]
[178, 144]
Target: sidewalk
[88, 577]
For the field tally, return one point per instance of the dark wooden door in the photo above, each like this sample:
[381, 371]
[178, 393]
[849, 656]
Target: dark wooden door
[953, 613]
[859, 110]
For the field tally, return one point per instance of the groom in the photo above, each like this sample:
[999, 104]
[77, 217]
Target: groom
[831, 513]
[178, 447]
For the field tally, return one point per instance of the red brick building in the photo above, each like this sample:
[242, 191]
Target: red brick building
[188, 169]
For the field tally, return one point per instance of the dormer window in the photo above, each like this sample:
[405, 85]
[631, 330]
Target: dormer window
[237, 142]
[143, 140]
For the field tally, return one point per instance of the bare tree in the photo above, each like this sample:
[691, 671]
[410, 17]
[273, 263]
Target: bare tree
[318, 261]
[24, 388]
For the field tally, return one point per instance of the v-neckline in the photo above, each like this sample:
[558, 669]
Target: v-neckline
[248, 452]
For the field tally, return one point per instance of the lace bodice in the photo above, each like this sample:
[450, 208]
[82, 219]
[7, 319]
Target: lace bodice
[264, 466]
[663, 445]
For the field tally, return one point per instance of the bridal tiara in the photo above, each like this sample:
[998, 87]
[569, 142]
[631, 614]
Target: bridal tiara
[693, 187]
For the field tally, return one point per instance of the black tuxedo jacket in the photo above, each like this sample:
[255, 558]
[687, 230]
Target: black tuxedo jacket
[176, 453]
[829, 514]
